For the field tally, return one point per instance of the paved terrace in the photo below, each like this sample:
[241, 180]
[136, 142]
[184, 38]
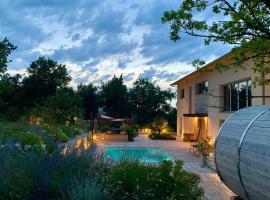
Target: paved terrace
[213, 187]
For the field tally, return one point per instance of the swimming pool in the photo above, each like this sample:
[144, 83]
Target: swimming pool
[143, 154]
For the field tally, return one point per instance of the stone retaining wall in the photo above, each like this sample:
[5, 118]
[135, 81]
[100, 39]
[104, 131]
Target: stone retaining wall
[79, 144]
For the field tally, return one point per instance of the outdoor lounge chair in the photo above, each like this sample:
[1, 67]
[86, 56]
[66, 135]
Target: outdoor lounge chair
[194, 144]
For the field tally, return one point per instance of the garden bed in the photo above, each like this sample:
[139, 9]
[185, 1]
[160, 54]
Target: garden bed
[27, 135]
[74, 177]
[162, 136]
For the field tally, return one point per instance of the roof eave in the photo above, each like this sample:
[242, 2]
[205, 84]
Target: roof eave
[197, 71]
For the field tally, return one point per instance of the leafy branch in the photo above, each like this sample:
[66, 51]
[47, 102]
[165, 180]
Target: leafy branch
[244, 24]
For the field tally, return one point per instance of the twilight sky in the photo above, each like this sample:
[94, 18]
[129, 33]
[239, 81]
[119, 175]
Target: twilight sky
[99, 38]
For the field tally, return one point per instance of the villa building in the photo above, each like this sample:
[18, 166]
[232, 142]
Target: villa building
[206, 99]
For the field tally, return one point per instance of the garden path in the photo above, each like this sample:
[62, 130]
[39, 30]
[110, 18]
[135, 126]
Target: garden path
[213, 187]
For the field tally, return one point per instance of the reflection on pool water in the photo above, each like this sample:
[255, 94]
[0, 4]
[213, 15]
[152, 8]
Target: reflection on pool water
[143, 154]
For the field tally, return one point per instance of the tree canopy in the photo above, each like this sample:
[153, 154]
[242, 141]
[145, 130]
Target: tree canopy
[171, 117]
[148, 101]
[44, 77]
[62, 107]
[11, 96]
[90, 99]
[158, 124]
[43, 96]
[5, 50]
[242, 23]
[114, 96]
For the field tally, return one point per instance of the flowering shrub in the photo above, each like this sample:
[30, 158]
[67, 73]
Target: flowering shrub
[29, 174]
[130, 180]
[19, 171]
[19, 133]
[38, 148]
[88, 189]
[26, 136]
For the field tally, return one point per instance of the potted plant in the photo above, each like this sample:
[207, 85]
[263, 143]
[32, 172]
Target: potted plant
[123, 128]
[204, 149]
[131, 134]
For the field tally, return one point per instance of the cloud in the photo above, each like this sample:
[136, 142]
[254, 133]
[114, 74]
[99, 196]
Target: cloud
[129, 77]
[97, 39]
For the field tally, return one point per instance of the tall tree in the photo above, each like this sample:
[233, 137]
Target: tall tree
[171, 117]
[90, 100]
[5, 50]
[115, 97]
[148, 101]
[11, 94]
[44, 77]
[62, 107]
[243, 23]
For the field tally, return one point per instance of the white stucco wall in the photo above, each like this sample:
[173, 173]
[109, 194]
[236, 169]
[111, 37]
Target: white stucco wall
[214, 101]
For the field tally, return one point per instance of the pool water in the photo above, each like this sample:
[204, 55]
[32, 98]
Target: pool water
[149, 155]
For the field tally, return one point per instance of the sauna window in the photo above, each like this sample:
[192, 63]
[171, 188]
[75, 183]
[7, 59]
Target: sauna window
[237, 95]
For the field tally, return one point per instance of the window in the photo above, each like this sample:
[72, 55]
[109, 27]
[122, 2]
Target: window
[202, 88]
[182, 94]
[237, 95]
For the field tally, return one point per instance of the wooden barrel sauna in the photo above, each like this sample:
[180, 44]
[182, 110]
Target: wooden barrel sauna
[242, 153]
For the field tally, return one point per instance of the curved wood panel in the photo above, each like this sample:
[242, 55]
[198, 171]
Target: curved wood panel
[243, 153]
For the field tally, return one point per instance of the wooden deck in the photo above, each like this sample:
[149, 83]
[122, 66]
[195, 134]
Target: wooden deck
[213, 187]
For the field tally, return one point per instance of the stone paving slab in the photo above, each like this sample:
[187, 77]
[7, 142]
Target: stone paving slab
[214, 189]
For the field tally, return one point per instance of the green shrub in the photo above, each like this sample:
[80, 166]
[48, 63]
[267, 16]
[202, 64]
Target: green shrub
[131, 134]
[60, 176]
[61, 136]
[26, 135]
[27, 174]
[62, 133]
[70, 131]
[130, 180]
[87, 189]
[20, 133]
[18, 172]
[57, 133]
[162, 136]
[159, 124]
[12, 114]
[24, 138]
